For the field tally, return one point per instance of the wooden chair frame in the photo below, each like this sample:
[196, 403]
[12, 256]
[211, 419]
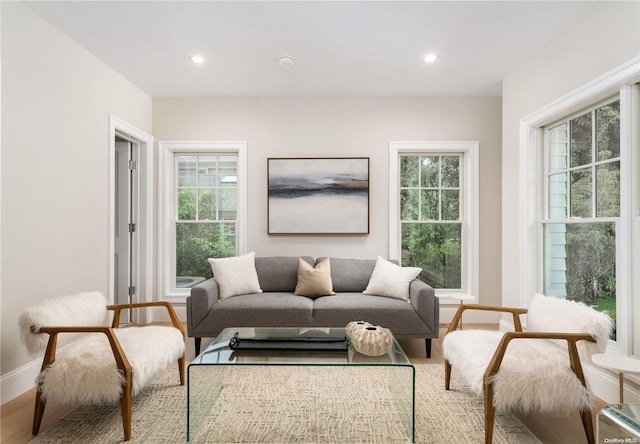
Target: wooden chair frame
[496, 361]
[118, 353]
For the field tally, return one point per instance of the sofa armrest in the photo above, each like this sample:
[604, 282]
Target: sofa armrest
[423, 298]
[203, 297]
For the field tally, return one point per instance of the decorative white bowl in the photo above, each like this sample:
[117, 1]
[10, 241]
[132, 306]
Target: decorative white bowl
[353, 326]
[372, 340]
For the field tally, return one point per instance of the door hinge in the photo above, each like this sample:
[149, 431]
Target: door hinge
[132, 291]
[132, 164]
[132, 228]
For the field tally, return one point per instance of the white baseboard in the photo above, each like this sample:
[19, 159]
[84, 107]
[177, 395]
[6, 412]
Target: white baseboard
[604, 384]
[20, 380]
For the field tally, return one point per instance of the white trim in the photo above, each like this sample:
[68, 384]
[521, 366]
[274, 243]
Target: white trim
[624, 255]
[20, 380]
[166, 150]
[633, 134]
[144, 217]
[590, 93]
[471, 193]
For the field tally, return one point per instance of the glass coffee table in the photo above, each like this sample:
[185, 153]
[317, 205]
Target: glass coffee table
[618, 423]
[273, 346]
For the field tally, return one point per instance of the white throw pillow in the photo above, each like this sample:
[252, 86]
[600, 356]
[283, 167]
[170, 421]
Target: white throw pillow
[391, 280]
[236, 275]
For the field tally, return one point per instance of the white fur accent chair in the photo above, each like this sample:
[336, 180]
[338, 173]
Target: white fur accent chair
[542, 373]
[109, 364]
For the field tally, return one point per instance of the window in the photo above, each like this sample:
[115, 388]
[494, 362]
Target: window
[434, 214]
[430, 219]
[204, 209]
[573, 223]
[582, 207]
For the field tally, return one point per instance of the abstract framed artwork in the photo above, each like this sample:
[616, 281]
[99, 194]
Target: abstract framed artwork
[318, 195]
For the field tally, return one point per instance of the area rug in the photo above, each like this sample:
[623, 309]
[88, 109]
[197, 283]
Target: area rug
[295, 404]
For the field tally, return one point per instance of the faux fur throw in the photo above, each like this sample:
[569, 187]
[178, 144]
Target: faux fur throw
[535, 373]
[86, 372]
[80, 310]
[552, 314]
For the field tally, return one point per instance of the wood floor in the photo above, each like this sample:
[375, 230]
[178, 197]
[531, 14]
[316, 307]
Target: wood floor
[17, 415]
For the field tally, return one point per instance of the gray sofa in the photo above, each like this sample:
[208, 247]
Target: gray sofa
[278, 306]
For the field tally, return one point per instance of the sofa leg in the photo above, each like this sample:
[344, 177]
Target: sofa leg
[428, 344]
[198, 344]
[181, 369]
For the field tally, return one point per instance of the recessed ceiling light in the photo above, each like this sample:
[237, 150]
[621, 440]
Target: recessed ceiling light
[285, 61]
[197, 59]
[430, 58]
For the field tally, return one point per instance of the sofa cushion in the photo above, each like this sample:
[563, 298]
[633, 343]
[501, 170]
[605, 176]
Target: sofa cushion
[314, 281]
[279, 273]
[350, 274]
[391, 280]
[394, 314]
[272, 309]
[235, 275]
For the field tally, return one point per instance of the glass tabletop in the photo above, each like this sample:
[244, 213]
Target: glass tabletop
[220, 351]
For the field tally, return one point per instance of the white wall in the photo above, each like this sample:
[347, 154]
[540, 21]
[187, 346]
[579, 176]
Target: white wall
[605, 38]
[56, 101]
[327, 127]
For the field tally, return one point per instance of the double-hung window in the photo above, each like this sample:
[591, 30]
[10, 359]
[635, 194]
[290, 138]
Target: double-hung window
[590, 217]
[582, 221]
[434, 214]
[203, 209]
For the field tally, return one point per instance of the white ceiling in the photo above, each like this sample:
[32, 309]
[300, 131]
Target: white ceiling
[357, 48]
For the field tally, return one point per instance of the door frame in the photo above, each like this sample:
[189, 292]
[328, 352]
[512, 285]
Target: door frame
[143, 212]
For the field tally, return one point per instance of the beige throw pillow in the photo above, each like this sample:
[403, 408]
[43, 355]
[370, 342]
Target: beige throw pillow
[235, 275]
[314, 281]
[391, 280]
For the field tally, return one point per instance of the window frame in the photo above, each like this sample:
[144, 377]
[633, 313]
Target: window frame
[531, 197]
[167, 187]
[469, 211]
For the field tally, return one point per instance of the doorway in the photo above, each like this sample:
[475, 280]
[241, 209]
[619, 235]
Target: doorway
[130, 218]
[125, 278]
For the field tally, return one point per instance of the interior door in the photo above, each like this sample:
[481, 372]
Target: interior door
[125, 227]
